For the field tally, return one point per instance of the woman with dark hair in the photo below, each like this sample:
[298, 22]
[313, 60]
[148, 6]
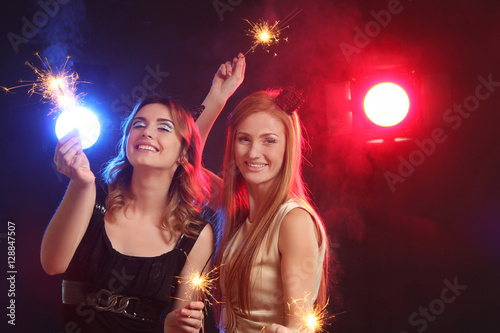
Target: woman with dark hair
[273, 249]
[124, 257]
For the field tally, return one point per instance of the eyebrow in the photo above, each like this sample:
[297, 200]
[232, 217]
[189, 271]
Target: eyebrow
[158, 120]
[260, 136]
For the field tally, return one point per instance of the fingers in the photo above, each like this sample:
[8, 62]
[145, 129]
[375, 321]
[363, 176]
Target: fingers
[190, 320]
[65, 154]
[240, 66]
[69, 155]
[275, 328]
[196, 306]
[226, 69]
[68, 136]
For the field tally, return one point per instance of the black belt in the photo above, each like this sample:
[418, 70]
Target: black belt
[144, 309]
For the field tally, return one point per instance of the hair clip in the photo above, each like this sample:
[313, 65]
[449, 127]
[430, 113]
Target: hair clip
[196, 111]
[289, 99]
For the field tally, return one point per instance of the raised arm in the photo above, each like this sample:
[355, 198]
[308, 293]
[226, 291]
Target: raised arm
[301, 268]
[187, 309]
[227, 79]
[69, 223]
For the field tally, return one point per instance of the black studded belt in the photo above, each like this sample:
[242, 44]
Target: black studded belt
[140, 308]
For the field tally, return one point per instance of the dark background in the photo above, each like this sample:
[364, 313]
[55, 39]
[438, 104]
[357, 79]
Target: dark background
[396, 250]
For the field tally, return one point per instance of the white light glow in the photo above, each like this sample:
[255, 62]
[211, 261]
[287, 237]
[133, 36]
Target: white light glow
[83, 119]
[386, 104]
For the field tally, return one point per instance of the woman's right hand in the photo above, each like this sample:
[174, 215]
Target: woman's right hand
[188, 319]
[71, 161]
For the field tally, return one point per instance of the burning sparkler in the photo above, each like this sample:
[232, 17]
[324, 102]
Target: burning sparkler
[56, 87]
[265, 34]
[199, 286]
[313, 320]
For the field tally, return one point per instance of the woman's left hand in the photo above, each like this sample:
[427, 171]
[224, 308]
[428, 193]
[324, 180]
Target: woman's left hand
[229, 77]
[188, 319]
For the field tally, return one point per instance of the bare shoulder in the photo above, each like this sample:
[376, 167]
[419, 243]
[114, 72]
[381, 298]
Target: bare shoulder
[206, 234]
[297, 218]
[205, 239]
[298, 227]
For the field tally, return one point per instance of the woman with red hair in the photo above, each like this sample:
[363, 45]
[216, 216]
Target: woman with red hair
[272, 248]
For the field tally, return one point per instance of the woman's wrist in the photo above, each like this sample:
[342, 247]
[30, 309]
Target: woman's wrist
[82, 185]
[216, 98]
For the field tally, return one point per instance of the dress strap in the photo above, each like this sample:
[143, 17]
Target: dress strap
[185, 243]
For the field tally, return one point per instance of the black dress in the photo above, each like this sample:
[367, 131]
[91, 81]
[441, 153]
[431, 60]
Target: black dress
[101, 270]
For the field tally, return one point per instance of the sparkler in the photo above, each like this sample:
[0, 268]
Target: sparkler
[199, 286]
[314, 320]
[57, 88]
[265, 34]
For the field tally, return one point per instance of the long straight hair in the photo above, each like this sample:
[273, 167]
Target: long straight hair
[288, 185]
[188, 190]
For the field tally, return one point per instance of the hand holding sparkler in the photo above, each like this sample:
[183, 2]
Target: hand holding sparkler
[228, 78]
[188, 319]
[71, 160]
[310, 320]
[197, 286]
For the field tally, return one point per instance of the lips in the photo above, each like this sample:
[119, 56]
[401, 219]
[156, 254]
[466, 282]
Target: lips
[148, 148]
[256, 165]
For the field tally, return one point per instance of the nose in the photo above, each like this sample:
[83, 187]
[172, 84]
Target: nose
[147, 132]
[254, 151]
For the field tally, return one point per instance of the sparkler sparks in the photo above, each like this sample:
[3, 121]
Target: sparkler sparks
[312, 320]
[199, 285]
[265, 34]
[56, 87]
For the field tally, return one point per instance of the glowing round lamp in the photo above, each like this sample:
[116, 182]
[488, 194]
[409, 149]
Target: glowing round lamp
[386, 104]
[83, 119]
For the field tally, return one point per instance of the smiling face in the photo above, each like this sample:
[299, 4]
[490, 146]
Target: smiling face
[153, 140]
[259, 149]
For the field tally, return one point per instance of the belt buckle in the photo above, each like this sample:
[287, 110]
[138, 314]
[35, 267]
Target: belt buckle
[116, 303]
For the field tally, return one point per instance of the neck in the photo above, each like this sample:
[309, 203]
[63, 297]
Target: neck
[151, 191]
[257, 195]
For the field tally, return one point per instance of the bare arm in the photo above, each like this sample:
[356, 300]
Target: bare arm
[187, 315]
[227, 79]
[68, 225]
[300, 264]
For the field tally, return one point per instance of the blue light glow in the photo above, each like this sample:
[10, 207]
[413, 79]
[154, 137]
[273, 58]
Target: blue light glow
[83, 119]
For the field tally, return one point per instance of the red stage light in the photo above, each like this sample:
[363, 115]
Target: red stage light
[386, 104]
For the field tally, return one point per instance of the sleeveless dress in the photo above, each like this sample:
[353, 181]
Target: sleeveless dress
[97, 266]
[266, 302]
